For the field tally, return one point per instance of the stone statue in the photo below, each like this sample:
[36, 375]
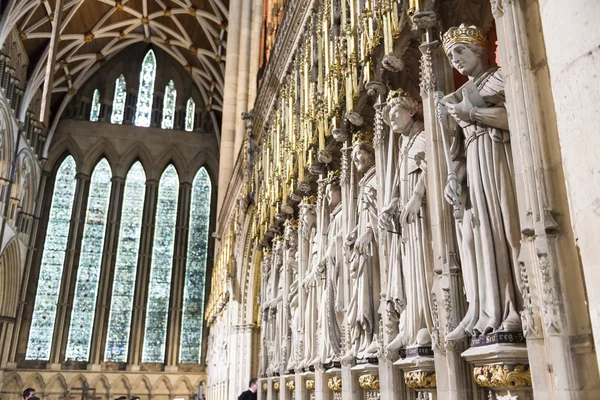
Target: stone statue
[362, 242]
[291, 263]
[331, 306]
[276, 304]
[483, 185]
[310, 280]
[410, 269]
[266, 315]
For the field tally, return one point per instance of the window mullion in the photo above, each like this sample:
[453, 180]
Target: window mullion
[107, 272]
[69, 277]
[178, 277]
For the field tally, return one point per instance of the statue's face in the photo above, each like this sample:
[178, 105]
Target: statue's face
[400, 119]
[464, 59]
[363, 158]
[309, 217]
[333, 193]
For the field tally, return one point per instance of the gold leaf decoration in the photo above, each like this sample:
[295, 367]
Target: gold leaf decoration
[369, 382]
[420, 380]
[310, 384]
[335, 384]
[502, 376]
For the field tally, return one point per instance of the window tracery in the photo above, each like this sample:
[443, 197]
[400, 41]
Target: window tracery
[190, 110]
[118, 109]
[143, 109]
[95, 111]
[168, 115]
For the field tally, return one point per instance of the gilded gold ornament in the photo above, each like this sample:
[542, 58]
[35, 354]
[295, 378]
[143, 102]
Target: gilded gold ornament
[291, 384]
[420, 380]
[310, 384]
[369, 382]
[335, 384]
[502, 376]
[265, 386]
[276, 386]
[463, 34]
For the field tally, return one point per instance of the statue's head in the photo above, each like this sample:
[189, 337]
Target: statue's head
[400, 111]
[291, 233]
[333, 191]
[465, 47]
[363, 154]
[308, 215]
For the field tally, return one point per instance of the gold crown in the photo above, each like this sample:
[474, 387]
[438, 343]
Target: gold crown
[463, 34]
[333, 176]
[363, 137]
[291, 223]
[394, 94]
[309, 200]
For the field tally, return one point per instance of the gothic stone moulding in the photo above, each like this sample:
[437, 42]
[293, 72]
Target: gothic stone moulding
[369, 382]
[420, 380]
[335, 384]
[502, 376]
[310, 384]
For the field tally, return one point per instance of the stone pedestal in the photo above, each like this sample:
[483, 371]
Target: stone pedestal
[310, 385]
[419, 380]
[500, 371]
[333, 377]
[290, 387]
[368, 380]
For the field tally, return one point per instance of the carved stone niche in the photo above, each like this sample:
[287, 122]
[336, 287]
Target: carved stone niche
[368, 380]
[501, 371]
[418, 371]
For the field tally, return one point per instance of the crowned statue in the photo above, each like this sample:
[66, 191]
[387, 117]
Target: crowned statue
[331, 305]
[362, 243]
[405, 215]
[291, 264]
[482, 183]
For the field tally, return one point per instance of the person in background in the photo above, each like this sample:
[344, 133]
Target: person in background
[250, 394]
[28, 393]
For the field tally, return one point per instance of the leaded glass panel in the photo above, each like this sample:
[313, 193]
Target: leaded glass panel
[53, 258]
[169, 106]
[143, 109]
[190, 111]
[90, 261]
[118, 109]
[126, 265]
[195, 270]
[162, 264]
[95, 112]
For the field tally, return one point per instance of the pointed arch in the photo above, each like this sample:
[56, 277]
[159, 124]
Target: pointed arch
[10, 276]
[124, 278]
[137, 152]
[56, 385]
[95, 109]
[101, 149]
[168, 115]
[143, 109]
[27, 180]
[53, 256]
[90, 261]
[195, 271]
[143, 383]
[78, 381]
[183, 383]
[63, 148]
[35, 380]
[121, 385]
[118, 108]
[162, 265]
[170, 156]
[12, 383]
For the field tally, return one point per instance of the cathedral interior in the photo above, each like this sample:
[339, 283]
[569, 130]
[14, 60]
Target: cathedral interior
[342, 199]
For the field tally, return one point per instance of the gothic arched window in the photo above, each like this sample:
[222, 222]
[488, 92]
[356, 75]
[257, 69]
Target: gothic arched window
[159, 291]
[143, 109]
[53, 257]
[190, 110]
[168, 115]
[90, 261]
[95, 112]
[118, 109]
[117, 341]
[195, 270]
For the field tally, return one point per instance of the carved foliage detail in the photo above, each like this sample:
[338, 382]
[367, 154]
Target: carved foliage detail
[502, 376]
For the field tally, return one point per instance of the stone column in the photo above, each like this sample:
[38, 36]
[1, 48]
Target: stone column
[244, 61]
[105, 282]
[136, 338]
[562, 359]
[178, 277]
[572, 36]
[69, 275]
[230, 113]
[257, 18]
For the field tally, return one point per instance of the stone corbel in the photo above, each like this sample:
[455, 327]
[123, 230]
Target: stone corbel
[420, 379]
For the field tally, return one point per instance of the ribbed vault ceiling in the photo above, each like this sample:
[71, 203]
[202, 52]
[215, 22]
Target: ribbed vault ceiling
[191, 31]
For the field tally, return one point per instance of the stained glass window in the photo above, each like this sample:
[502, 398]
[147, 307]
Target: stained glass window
[90, 260]
[162, 265]
[126, 265]
[53, 257]
[195, 270]
[95, 106]
[190, 110]
[118, 108]
[143, 108]
[169, 106]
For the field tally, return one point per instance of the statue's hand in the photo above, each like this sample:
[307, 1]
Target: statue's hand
[462, 110]
[350, 239]
[410, 211]
[386, 215]
[452, 190]
[363, 242]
